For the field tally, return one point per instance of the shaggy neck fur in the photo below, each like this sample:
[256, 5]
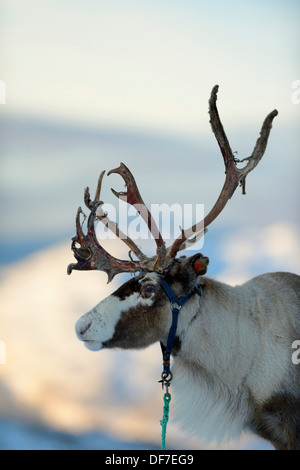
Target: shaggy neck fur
[233, 354]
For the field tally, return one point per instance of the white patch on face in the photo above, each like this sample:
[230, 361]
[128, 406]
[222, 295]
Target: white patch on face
[98, 325]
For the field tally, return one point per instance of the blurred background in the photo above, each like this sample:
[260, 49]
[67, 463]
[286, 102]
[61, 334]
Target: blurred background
[84, 86]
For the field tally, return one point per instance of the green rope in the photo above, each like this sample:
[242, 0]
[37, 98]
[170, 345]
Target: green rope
[165, 419]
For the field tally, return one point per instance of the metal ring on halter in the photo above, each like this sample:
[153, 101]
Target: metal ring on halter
[167, 377]
[166, 380]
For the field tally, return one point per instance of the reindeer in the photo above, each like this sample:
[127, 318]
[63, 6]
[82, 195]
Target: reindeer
[230, 346]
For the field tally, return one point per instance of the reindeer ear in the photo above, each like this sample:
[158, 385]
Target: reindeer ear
[199, 263]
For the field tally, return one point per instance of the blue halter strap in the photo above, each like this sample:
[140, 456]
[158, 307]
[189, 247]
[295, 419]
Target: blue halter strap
[176, 304]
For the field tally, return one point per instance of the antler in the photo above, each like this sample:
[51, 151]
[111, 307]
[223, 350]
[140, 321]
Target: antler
[133, 197]
[113, 226]
[234, 176]
[91, 255]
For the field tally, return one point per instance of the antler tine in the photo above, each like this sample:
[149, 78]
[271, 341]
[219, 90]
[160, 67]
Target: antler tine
[90, 255]
[259, 148]
[234, 176]
[87, 200]
[113, 226]
[134, 198]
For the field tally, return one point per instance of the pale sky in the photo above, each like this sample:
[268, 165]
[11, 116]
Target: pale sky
[147, 67]
[150, 64]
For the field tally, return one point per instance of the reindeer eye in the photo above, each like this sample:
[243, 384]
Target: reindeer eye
[147, 290]
[150, 288]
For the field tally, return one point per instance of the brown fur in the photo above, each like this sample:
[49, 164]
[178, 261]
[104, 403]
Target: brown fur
[278, 421]
[137, 326]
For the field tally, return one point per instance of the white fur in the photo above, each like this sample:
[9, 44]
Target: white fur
[207, 413]
[226, 353]
[103, 319]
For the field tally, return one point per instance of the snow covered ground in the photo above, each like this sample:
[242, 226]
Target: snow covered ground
[15, 435]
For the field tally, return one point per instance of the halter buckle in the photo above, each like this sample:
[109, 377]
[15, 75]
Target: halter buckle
[166, 380]
[176, 305]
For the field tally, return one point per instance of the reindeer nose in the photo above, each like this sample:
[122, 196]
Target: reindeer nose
[83, 329]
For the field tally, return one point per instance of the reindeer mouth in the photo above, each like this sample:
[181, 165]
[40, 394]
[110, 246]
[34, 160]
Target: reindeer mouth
[93, 345]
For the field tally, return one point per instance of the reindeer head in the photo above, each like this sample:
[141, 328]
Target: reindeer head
[138, 313]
